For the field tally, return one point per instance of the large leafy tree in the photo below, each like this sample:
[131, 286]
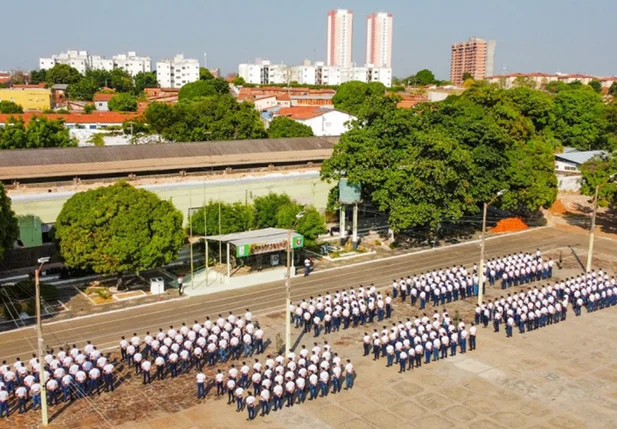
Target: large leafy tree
[218, 117]
[266, 208]
[85, 89]
[40, 132]
[310, 224]
[118, 229]
[424, 77]
[9, 230]
[10, 107]
[441, 161]
[351, 96]
[282, 127]
[235, 217]
[579, 118]
[121, 80]
[203, 88]
[597, 172]
[62, 73]
[123, 102]
[144, 80]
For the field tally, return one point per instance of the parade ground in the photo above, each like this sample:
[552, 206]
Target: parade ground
[560, 376]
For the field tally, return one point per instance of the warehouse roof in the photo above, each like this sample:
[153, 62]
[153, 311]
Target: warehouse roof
[92, 161]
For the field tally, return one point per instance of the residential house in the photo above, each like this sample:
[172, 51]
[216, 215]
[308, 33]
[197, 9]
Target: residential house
[567, 167]
[323, 121]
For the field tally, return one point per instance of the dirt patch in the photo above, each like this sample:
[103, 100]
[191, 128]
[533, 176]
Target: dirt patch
[510, 224]
[558, 208]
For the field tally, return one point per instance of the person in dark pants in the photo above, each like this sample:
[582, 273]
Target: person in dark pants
[180, 285]
[307, 267]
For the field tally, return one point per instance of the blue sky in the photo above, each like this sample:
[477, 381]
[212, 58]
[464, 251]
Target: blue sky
[575, 36]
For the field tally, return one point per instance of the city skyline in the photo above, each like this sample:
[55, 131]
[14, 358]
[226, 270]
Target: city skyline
[577, 42]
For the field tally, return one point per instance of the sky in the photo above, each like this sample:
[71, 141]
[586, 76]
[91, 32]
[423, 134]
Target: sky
[568, 36]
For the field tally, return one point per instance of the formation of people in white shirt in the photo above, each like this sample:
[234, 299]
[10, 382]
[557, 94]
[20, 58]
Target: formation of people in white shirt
[69, 374]
[177, 351]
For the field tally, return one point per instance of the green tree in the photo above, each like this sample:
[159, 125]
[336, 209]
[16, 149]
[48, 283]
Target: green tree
[84, 90]
[200, 88]
[440, 161]
[235, 217]
[9, 230]
[204, 74]
[424, 77]
[524, 82]
[351, 96]
[10, 107]
[613, 89]
[213, 118]
[38, 76]
[97, 139]
[596, 172]
[310, 225]
[40, 132]
[118, 229]
[239, 81]
[160, 117]
[580, 119]
[144, 80]
[282, 127]
[89, 108]
[62, 73]
[121, 80]
[123, 102]
[266, 208]
[596, 85]
[101, 77]
[467, 76]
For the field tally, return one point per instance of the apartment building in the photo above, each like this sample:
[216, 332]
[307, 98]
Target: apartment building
[474, 56]
[379, 39]
[339, 38]
[177, 71]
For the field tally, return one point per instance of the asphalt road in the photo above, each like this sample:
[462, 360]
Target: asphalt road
[105, 329]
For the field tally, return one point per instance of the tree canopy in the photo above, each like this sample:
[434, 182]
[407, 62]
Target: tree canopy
[271, 210]
[9, 230]
[205, 74]
[144, 80]
[218, 117]
[597, 172]
[350, 96]
[440, 161]
[580, 118]
[203, 88]
[123, 102]
[62, 73]
[118, 228]
[10, 107]
[282, 127]
[424, 77]
[40, 132]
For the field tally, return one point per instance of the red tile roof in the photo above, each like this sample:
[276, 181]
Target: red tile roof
[37, 86]
[115, 118]
[304, 112]
[100, 96]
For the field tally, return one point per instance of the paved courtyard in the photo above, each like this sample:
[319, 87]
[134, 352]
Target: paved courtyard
[562, 376]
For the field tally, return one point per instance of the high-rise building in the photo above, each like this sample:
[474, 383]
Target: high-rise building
[340, 27]
[475, 56]
[379, 39]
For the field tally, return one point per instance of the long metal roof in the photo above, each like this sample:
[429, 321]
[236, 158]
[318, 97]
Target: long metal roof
[84, 161]
[265, 235]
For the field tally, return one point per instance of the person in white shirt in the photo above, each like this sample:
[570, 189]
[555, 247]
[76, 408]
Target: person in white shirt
[201, 385]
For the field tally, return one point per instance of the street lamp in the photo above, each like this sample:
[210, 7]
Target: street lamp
[288, 287]
[481, 267]
[593, 221]
[39, 332]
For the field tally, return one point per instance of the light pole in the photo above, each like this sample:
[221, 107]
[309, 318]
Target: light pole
[39, 333]
[593, 221]
[481, 267]
[288, 287]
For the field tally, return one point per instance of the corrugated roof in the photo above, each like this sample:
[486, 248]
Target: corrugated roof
[115, 118]
[579, 157]
[91, 161]
[266, 235]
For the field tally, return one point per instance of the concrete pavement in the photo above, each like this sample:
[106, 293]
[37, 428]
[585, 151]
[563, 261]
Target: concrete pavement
[105, 329]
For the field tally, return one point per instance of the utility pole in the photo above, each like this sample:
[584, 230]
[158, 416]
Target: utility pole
[39, 334]
[481, 277]
[288, 287]
[593, 222]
